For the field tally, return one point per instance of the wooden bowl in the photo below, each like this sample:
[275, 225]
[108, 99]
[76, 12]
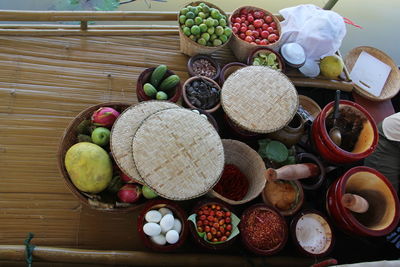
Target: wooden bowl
[178, 213]
[246, 223]
[266, 50]
[309, 105]
[209, 59]
[315, 223]
[228, 69]
[199, 240]
[186, 101]
[68, 139]
[173, 96]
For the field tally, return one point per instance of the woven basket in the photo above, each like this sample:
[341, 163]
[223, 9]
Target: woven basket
[178, 154]
[190, 47]
[249, 163]
[392, 85]
[125, 128]
[68, 139]
[310, 105]
[241, 48]
[259, 99]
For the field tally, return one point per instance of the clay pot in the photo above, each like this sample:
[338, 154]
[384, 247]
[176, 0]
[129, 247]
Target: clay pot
[325, 147]
[186, 101]
[291, 133]
[228, 69]
[383, 213]
[209, 59]
[266, 50]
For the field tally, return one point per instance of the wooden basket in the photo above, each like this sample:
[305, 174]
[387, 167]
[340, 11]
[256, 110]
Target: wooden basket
[241, 48]
[249, 163]
[68, 139]
[190, 47]
[310, 105]
[392, 85]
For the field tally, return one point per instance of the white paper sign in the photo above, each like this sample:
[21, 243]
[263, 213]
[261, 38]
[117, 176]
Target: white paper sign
[370, 74]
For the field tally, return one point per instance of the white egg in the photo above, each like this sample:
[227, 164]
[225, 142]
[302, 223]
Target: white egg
[172, 236]
[177, 225]
[159, 239]
[151, 229]
[166, 223]
[164, 211]
[153, 216]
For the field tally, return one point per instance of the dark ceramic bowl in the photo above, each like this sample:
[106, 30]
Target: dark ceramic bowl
[266, 50]
[305, 228]
[178, 213]
[173, 96]
[245, 232]
[186, 101]
[209, 59]
[228, 69]
[199, 240]
[311, 183]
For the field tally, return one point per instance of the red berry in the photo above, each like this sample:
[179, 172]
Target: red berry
[272, 37]
[228, 220]
[227, 233]
[237, 25]
[251, 27]
[199, 223]
[256, 34]
[253, 38]
[259, 30]
[224, 238]
[248, 39]
[257, 14]
[206, 212]
[218, 207]
[244, 11]
[209, 236]
[203, 217]
[250, 18]
[242, 18]
[205, 222]
[207, 229]
[243, 29]
[219, 234]
[263, 42]
[200, 229]
[262, 14]
[228, 214]
[242, 36]
[233, 19]
[270, 29]
[229, 227]
[200, 213]
[214, 239]
[273, 24]
[265, 26]
[249, 33]
[276, 32]
[246, 22]
[268, 19]
[238, 20]
[212, 213]
[264, 34]
[234, 29]
[257, 41]
[258, 23]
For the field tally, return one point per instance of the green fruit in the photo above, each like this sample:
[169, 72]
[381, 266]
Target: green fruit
[190, 15]
[184, 11]
[210, 22]
[213, 37]
[202, 15]
[161, 95]
[115, 185]
[169, 83]
[84, 138]
[89, 167]
[189, 22]
[203, 27]
[206, 36]
[216, 22]
[217, 42]
[182, 19]
[209, 43]
[202, 4]
[215, 14]
[201, 41]
[101, 136]
[84, 127]
[148, 192]
[186, 31]
[223, 38]
[211, 30]
[206, 9]
[149, 90]
[331, 66]
[195, 30]
[193, 38]
[157, 75]
[198, 10]
[222, 22]
[198, 20]
[228, 32]
[192, 9]
[219, 30]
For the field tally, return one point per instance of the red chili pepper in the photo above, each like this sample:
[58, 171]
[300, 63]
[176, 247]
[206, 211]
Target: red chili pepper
[233, 183]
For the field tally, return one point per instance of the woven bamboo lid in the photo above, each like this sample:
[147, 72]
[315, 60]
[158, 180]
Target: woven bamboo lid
[259, 99]
[125, 128]
[392, 85]
[178, 154]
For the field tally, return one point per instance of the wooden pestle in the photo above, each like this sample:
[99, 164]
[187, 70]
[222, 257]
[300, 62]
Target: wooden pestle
[293, 172]
[355, 203]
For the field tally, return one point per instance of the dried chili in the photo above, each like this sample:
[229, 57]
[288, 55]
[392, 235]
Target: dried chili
[233, 183]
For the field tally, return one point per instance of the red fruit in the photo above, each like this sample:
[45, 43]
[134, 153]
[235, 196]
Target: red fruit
[200, 229]
[229, 227]
[199, 213]
[259, 30]
[243, 29]
[238, 20]
[276, 32]
[257, 41]
[264, 42]
[214, 240]
[242, 19]
[210, 218]
[253, 38]
[206, 212]
[257, 14]
[256, 34]
[258, 23]
[216, 225]
[203, 217]
[199, 223]
[126, 179]
[219, 234]
[250, 18]
[264, 34]
[262, 14]
[262, 20]
[207, 229]
[228, 214]
[248, 39]
[205, 222]
[218, 207]
[104, 116]
[234, 29]
[209, 236]
[251, 27]
[212, 213]
[227, 233]
[249, 33]
[265, 26]
[273, 24]
[270, 29]
[272, 37]
[246, 22]
[268, 19]
[129, 193]
[233, 19]
[224, 238]
[253, 43]
[244, 11]
[237, 25]
[242, 36]
[228, 220]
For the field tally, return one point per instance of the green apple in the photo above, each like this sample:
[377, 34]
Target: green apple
[101, 136]
[148, 192]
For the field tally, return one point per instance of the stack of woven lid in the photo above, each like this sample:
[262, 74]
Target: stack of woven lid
[174, 151]
[259, 99]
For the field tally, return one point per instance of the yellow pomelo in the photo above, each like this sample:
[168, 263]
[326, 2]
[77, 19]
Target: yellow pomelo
[89, 167]
[331, 66]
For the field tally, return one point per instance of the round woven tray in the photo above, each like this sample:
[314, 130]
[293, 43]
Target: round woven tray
[178, 154]
[392, 85]
[259, 99]
[125, 128]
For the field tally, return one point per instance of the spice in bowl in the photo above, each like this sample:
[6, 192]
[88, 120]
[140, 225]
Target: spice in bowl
[263, 229]
[233, 184]
[202, 93]
[204, 67]
[285, 196]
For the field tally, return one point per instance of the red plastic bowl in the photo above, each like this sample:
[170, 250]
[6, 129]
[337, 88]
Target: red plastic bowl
[365, 145]
[178, 213]
[383, 214]
[144, 77]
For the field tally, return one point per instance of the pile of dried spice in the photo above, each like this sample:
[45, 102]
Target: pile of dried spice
[204, 67]
[233, 183]
[264, 228]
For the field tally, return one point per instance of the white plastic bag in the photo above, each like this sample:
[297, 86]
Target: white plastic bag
[320, 32]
